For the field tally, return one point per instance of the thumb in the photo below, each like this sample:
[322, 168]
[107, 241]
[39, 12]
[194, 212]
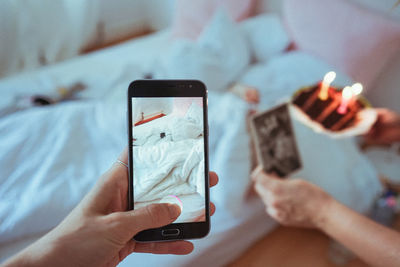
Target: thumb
[256, 172]
[151, 216]
[268, 181]
[259, 174]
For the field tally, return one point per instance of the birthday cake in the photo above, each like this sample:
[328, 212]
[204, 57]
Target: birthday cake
[334, 110]
[327, 112]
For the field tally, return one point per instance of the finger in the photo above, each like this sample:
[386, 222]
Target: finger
[259, 189]
[268, 180]
[175, 247]
[263, 193]
[123, 157]
[109, 184]
[212, 209]
[117, 169]
[213, 179]
[127, 249]
[259, 171]
[370, 134]
[148, 217]
[275, 213]
[256, 172]
[373, 131]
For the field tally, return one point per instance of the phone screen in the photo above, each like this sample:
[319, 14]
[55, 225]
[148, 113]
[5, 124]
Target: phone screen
[168, 154]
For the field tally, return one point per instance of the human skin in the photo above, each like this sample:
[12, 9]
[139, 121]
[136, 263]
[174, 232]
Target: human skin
[250, 94]
[295, 202]
[99, 231]
[386, 129]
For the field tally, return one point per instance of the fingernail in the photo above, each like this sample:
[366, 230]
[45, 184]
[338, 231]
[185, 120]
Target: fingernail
[174, 211]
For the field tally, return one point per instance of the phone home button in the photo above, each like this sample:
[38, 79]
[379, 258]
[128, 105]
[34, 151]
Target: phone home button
[170, 232]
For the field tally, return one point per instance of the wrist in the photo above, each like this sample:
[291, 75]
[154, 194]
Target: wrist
[40, 253]
[325, 210]
[33, 255]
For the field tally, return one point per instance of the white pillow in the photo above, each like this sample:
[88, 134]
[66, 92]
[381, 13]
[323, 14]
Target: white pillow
[280, 77]
[266, 36]
[190, 126]
[218, 57]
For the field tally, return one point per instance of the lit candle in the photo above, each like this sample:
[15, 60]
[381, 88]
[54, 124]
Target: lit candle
[347, 94]
[356, 89]
[328, 79]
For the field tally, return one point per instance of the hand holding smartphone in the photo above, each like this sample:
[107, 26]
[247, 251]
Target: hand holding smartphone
[168, 154]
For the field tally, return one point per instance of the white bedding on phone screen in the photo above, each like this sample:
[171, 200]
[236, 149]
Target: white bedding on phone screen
[168, 168]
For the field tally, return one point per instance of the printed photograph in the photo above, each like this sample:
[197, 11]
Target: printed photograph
[275, 142]
[168, 154]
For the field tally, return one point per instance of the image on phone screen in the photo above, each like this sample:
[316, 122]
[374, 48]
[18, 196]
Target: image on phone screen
[168, 154]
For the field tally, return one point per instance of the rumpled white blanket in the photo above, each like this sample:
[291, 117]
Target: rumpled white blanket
[179, 156]
[176, 173]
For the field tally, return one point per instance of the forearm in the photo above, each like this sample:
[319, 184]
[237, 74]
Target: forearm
[39, 253]
[375, 244]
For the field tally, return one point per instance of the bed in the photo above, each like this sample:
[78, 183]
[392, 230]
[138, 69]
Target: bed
[51, 156]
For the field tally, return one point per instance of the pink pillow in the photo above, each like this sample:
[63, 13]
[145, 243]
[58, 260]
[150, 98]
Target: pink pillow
[191, 16]
[354, 39]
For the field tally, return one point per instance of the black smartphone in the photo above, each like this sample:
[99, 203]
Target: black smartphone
[168, 154]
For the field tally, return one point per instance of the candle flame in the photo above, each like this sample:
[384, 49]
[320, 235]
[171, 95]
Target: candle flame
[329, 77]
[357, 88]
[326, 83]
[347, 93]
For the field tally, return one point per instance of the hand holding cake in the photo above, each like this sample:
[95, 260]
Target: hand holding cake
[386, 130]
